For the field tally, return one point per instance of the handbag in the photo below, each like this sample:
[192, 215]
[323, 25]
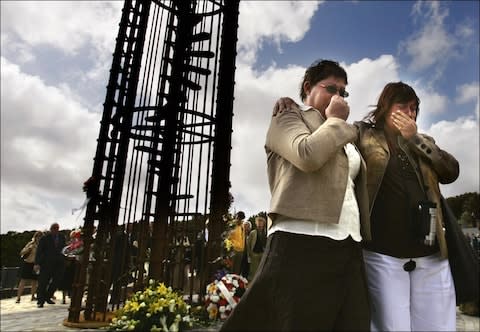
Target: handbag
[464, 264]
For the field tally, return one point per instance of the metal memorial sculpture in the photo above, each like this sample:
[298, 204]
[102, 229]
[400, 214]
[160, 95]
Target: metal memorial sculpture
[162, 163]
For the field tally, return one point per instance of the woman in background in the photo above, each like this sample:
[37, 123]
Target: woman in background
[27, 271]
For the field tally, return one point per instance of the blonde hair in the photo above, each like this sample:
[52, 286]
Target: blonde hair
[37, 235]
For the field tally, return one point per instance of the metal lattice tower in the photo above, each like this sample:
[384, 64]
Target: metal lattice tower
[162, 163]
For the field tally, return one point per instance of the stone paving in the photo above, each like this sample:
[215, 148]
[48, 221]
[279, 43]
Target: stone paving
[25, 316]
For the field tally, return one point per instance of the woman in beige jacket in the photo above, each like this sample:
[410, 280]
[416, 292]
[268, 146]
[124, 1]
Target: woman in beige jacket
[27, 271]
[311, 275]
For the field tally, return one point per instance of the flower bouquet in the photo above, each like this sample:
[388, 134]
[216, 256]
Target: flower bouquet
[75, 248]
[223, 295]
[157, 308]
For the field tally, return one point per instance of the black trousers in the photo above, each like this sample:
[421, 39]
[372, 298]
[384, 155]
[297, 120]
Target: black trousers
[305, 283]
[49, 280]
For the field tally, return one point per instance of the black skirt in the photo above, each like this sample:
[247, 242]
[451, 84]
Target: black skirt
[27, 272]
[305, 283]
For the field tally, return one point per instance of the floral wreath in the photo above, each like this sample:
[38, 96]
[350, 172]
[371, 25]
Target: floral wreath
[223, 295]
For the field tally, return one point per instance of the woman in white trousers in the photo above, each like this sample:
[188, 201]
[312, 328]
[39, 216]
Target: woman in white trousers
[408, 274]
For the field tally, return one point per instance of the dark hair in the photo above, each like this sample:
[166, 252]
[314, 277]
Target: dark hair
[393, 93]
[320, 70]
[240, 215]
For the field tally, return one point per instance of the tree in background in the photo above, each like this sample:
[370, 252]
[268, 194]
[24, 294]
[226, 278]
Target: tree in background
[466, 208]
[11, 244]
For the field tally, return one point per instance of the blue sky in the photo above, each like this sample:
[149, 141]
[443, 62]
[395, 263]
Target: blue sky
[55, 58]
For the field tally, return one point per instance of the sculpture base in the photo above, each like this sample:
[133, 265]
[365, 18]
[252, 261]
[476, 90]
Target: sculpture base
[99, 322]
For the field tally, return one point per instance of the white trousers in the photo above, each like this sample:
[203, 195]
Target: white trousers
[420, 300]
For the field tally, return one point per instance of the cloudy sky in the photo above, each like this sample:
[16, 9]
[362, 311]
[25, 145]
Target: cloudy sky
[55, 58]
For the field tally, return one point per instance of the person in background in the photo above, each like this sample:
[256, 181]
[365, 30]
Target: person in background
[245, 266]
[311, 276]
[66, 283]
[27, 271]
[257, 239]
[237, 237]
[50, 260]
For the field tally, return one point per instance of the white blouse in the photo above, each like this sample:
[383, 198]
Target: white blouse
[349, 223]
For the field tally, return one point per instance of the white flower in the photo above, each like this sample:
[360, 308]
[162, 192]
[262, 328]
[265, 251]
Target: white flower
[171, 306]
[221, 309]
[163, 321]
[151, 281]
[215, 298]
[141, 297]
[174, 327]
[142, 304]
[148, 315]
[124, 317]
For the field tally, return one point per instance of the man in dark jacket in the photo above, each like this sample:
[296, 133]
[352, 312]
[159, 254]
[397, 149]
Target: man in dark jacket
[51, 262]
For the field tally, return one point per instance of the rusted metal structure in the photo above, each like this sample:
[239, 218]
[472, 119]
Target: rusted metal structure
[162, 162]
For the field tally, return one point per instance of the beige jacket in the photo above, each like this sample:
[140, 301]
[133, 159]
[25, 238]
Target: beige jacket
[308, 168]
[31, 250]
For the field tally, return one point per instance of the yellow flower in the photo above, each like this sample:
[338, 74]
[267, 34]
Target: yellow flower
[228, 244]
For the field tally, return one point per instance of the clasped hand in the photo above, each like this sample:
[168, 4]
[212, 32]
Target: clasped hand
[405, 125]
[338, 107]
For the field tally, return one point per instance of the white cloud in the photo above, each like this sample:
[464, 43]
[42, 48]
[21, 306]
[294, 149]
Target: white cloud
[47, 147]
[275, 21]
[23, 52]
[431, 104]
[367, 78]
[432, 43]
[28, 25]
[465, 30]
[460, 138]
[469, 93]
[52, 23]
